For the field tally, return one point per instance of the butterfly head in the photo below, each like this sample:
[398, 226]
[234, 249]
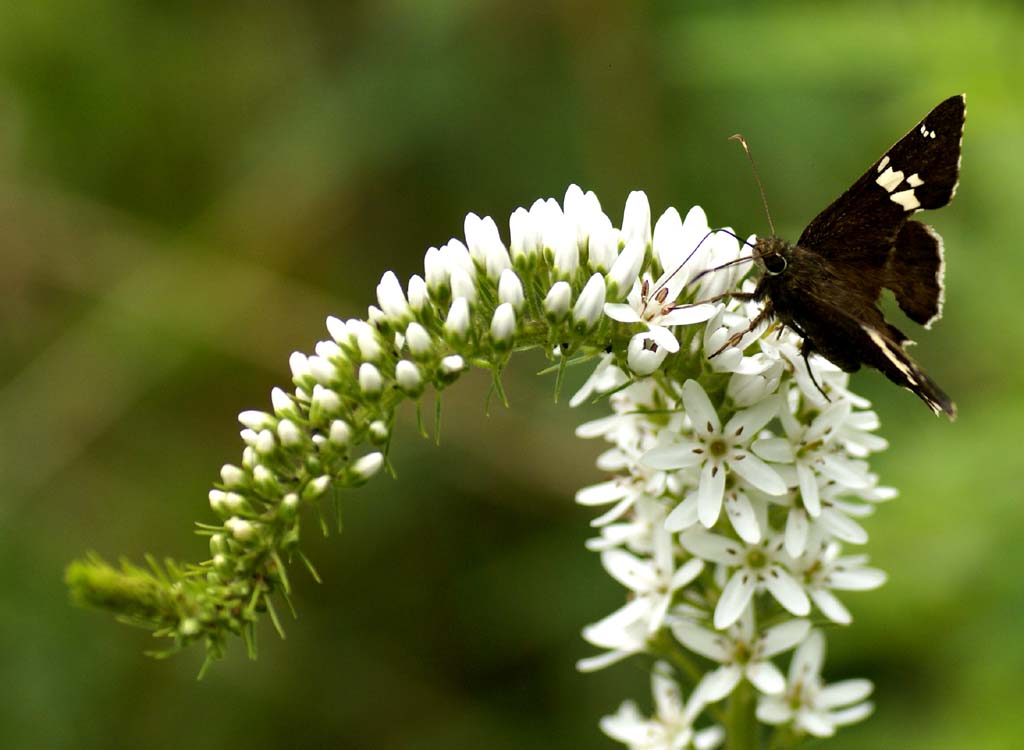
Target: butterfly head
[772, 254]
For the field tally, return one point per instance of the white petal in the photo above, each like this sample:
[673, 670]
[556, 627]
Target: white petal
[684, 515]
[826, 423]
[831, 607]
[775, 449]
[603, 493]
[629, 570]
[741, 515]
[858, 579]
[698, 407]
[787, 591]
[664, 338]
[766, 677]
[709, 496]
[709, 739]
[712, 547]
[757, 472]
[626, 725]
[783, 637]
[735, 598]
[668, 700]
[773, 710]
[797, 527]
[622, 313]
[842, 527]
[714, 646]
[685, 315]
[844, 693]
[852, 715]
[814, 722]
[718, 684]
[686, 573]
[808, 489]
[616, 512]
[746, 424]
[807, 659]
[594, 663]
[673, 456]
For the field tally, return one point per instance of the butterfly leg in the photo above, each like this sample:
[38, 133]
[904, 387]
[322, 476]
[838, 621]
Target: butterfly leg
[766, 312]
[806, 350]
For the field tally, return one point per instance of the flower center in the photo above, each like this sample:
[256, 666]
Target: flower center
[756, 559]
[717, 448]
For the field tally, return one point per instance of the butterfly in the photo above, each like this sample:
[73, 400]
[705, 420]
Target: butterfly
[827, 285]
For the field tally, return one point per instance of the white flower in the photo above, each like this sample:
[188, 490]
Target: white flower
[605, 377]
[811, 706]
[811, 448]
[742, 652]
[654, 303]
[717, 450]
[762, 566]
[654, 581]
[671, 727]
[823, 570]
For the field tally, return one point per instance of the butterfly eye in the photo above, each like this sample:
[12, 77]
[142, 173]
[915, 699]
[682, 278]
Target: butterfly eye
[775, 264]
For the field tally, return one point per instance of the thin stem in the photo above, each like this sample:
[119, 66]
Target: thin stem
[742, 731]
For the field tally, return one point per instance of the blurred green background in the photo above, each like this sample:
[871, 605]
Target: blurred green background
[187, 190]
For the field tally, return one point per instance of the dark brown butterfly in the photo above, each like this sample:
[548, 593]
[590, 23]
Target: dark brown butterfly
[826, 287]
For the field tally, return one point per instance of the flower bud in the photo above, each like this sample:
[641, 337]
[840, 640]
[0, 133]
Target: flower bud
[341, 432]
[232, 476]
[457, 323]
[418, 340]
[378, 432]
[289, 433]
[408, 376]
[256, 420]
[419, 297]
[503, 324]
[368, 465]
[590, 304]
[510, 289]
[370, 380]
[625, 270]
[283, 404]
[463, 285]
[556, 304]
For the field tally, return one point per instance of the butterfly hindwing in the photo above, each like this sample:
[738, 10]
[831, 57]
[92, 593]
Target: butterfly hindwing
[914, 272]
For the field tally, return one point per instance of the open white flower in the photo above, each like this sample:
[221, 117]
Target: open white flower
[671, 727]
[743, 652]
[717, 450]
[822, 570]
[811, 706]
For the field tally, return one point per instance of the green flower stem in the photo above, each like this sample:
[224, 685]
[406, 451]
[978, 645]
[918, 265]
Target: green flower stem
[742, 729]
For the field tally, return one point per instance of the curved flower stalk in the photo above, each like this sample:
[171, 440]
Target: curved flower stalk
[733, 482]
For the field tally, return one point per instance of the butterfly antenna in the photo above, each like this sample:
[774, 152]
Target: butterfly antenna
[757, 177]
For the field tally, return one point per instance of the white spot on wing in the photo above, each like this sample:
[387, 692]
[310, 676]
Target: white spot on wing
[906, 199]
[914, 180]
[884, 163]
[891, 355]
[889, 179]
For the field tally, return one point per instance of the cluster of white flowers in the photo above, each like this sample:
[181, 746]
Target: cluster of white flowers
[748, 432]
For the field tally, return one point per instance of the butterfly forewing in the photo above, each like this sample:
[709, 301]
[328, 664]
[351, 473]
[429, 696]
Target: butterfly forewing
[919, 172]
